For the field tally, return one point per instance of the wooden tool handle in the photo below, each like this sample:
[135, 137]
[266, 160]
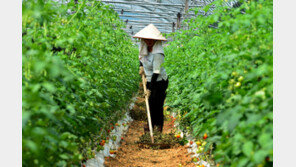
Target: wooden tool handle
[148, 109]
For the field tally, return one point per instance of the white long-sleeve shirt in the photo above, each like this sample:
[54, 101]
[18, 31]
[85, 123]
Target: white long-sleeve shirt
[152, 64]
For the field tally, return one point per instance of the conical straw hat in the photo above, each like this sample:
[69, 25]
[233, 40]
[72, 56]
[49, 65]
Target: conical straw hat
[150, 32]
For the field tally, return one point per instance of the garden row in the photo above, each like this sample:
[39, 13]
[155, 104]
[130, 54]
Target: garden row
[221, 82]
[76, 82]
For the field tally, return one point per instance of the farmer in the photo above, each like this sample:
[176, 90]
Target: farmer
[151, 57]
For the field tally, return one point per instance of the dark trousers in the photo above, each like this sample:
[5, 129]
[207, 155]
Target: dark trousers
[156, 102]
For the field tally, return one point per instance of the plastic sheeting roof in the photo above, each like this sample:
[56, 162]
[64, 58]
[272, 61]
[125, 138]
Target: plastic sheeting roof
[162, 13]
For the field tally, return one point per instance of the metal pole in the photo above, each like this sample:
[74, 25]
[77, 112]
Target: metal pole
[186, 9]
[173, 30]
[186, 6]
[178, 20]
[158, 13]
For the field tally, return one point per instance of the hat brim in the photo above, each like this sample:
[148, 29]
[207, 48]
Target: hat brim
[150, 38]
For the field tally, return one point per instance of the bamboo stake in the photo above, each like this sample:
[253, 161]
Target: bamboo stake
[148, 109]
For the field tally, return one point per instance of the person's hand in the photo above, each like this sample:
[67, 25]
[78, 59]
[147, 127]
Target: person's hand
[147, 93]
[141, 72]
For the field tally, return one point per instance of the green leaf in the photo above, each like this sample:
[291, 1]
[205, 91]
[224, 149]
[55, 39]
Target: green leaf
[233, 121]
[243, 162]
[259, 156]
[265, 141]
[71, 108]
[25, 118]
[248, 148]
[64, 156]
[31, 145]
[49, 86]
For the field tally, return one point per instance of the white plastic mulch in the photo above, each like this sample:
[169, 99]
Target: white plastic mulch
[118, 131]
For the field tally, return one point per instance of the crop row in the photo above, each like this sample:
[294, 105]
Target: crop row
[79, 71]
[221, 82]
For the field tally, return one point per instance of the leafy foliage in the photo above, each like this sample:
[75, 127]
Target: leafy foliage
[221, 81]
[79, 71]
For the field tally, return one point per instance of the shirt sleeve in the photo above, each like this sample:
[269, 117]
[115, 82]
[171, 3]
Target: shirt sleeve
[158, 59]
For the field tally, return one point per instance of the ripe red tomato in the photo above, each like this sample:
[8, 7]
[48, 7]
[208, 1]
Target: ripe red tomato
[205, 136]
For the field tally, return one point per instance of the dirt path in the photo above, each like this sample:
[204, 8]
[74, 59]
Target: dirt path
[130, 155]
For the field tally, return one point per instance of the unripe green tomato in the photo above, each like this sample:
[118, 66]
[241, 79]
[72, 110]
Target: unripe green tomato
[36, 161]
[260, 94]
[29, 21]
[80, 157]
[241, 78]
[234, 73]
[230, 87]
[195, 160]
[204, 143]
[238, 84]
[201, 149]
[231, 81]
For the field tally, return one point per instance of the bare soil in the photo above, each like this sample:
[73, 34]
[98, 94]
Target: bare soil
[131, 155]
